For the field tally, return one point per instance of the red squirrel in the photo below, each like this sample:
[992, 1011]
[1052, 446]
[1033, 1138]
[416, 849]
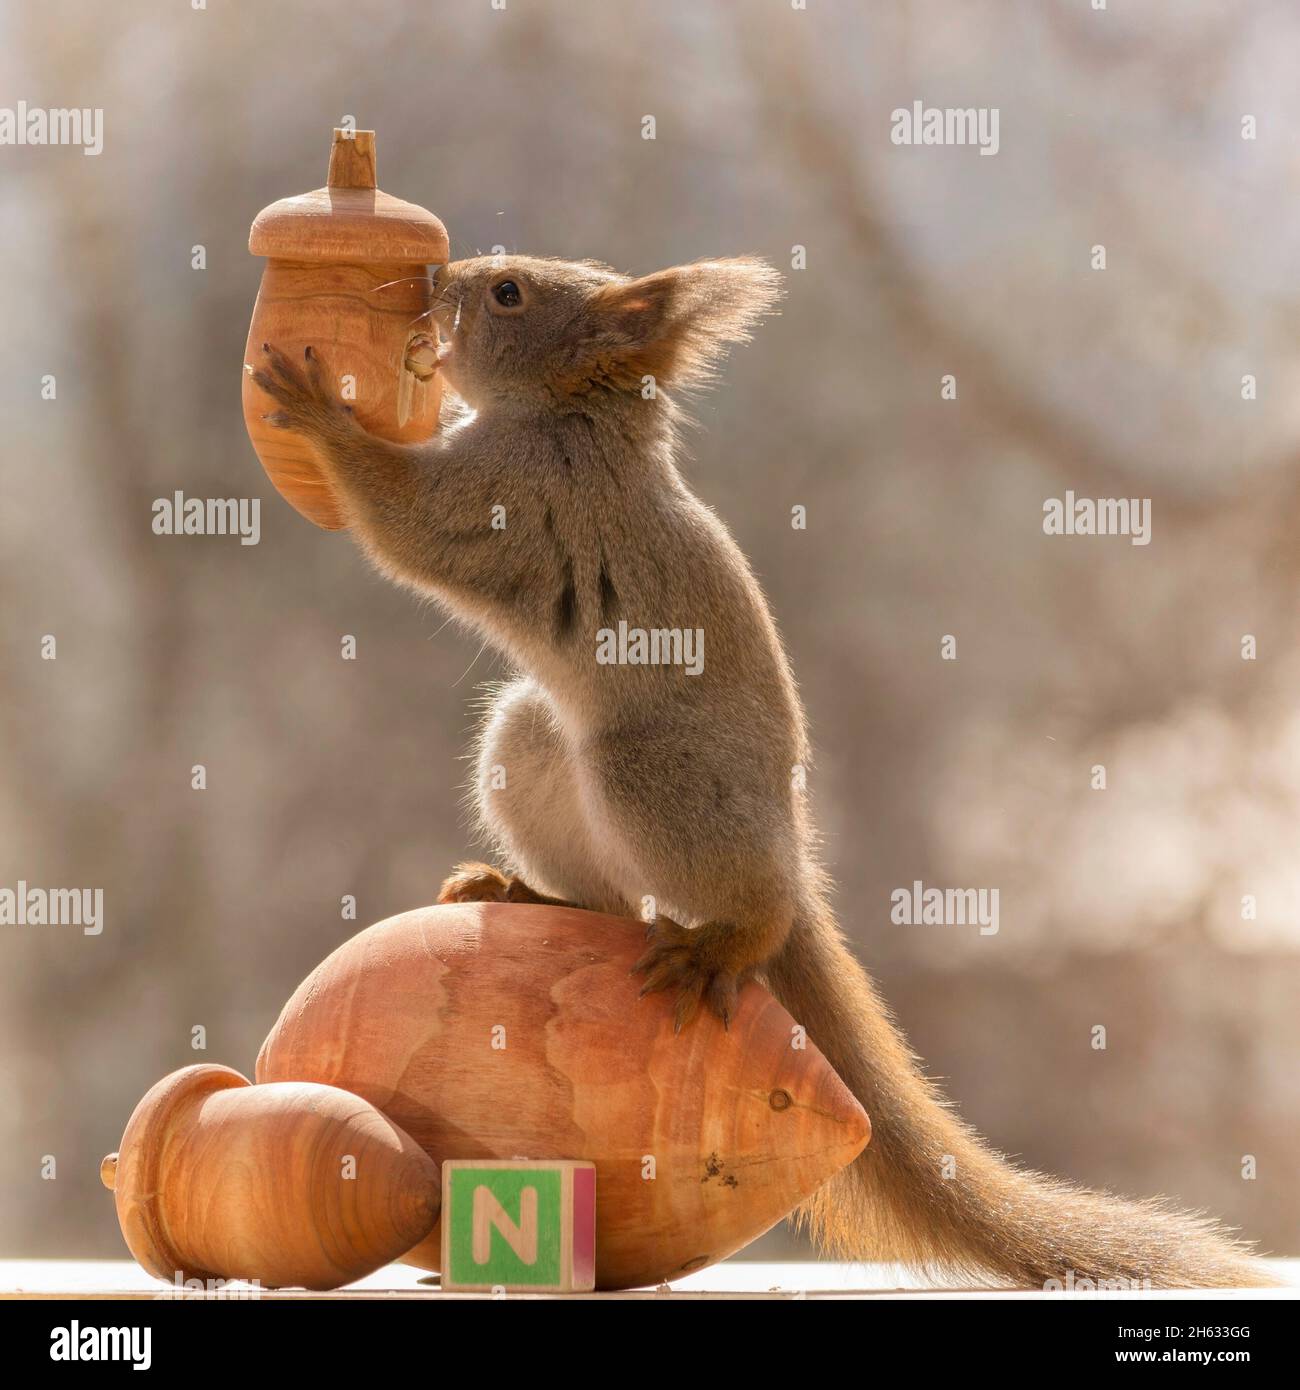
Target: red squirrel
[549, 513]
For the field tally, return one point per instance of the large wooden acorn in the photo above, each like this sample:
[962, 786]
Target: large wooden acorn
[292, 1185]
[346, 273]
[483, 1031]
[511, 1030]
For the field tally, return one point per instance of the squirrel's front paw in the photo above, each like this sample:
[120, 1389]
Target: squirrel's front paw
[696, 962]
[307, 404]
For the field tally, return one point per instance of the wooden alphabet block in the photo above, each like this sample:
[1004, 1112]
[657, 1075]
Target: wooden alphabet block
[523, 1224]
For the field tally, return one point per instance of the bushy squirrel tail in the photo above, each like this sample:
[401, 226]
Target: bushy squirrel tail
[926, 1192]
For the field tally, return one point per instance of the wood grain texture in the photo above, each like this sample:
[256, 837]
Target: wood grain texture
[349, 219]
[360, 318]
[347, 274]
[348, 224]
[511, 1030]
[353, 160]
[293, 1185]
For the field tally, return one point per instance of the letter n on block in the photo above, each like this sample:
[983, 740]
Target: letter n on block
[523, 1224]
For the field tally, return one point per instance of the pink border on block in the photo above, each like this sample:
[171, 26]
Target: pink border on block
[584, 1228]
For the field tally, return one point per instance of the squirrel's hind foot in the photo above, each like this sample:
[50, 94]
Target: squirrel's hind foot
[481, 883]
[694, 962]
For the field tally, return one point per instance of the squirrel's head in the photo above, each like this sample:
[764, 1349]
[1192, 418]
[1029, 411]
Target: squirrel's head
[520, 326]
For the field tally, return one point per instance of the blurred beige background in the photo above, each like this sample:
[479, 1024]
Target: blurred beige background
[522, 128]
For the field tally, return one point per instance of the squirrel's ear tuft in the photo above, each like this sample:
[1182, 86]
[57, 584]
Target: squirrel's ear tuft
[676, 325]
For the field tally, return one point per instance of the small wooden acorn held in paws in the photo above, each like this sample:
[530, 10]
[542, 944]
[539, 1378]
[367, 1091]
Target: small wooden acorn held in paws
[294, 1184]
[347, 272]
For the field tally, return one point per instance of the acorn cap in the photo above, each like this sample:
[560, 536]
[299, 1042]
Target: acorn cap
[134, 1173]
[349, 219]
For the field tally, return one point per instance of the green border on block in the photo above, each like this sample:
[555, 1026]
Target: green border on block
[503, 1265]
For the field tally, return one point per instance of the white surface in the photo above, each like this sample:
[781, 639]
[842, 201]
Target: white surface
[734, 1276]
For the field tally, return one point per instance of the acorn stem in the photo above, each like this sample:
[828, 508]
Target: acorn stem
[352, 160]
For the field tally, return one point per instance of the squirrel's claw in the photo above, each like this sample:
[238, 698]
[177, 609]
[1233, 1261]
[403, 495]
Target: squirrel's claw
[303, 394]
[681, 958]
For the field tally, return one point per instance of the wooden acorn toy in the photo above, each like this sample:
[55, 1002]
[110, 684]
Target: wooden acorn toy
[347, 272]
[509, 1030]
[295, 1184]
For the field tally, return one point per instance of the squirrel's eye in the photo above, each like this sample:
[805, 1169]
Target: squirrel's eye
[507, 295]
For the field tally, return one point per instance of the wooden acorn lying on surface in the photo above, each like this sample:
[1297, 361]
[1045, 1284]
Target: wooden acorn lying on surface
[288, 1184]
[481, 1031]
